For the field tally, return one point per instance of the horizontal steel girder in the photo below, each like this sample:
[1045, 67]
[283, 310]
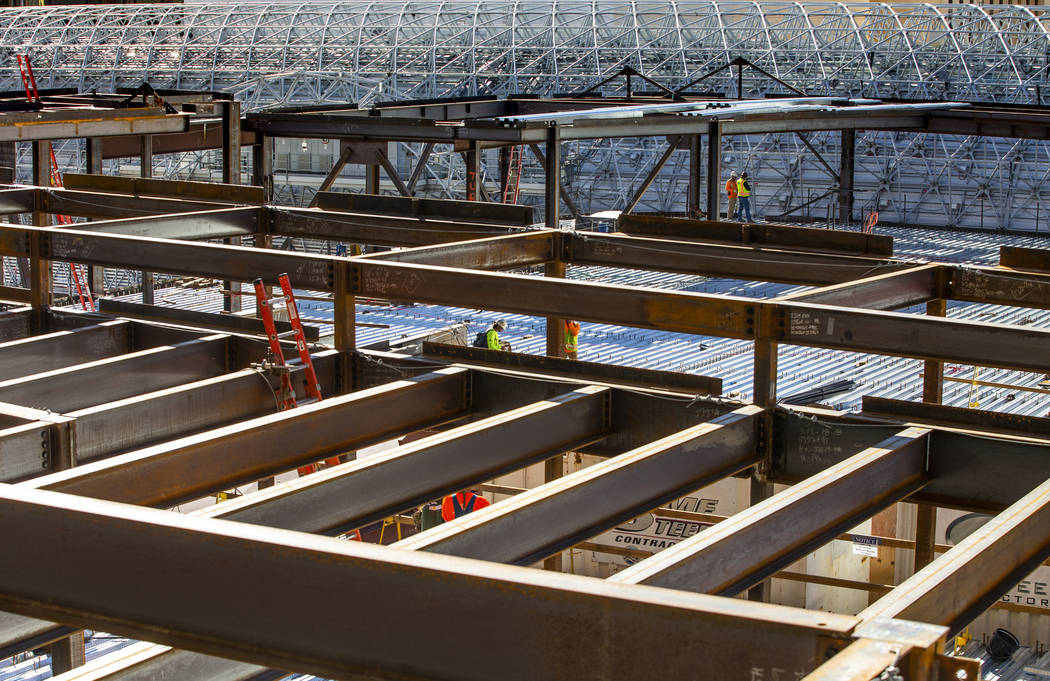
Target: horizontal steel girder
[767, 537]
[359, 492]
[181, 189]
[765, 263]
[60, 201]
[102, 550]
[594, 372]
[761, 235]
[50, 125]
[724, 316]
[119, 377]
[191, 467]
[543, 296]
[964, 582]
[17, 201]
[549, 518]
[379, 230]
[114, 427]
[964, 471]
[899, 289]
[39, 354]
[495, 253]
[208, 224]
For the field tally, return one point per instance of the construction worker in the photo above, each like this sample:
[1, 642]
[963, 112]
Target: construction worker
[743, 190]
[492, 341]
[462, 503]
[572, 337]
[731, 193]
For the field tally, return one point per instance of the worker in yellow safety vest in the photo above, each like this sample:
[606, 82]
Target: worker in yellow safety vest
[743, 190]
[572, 337]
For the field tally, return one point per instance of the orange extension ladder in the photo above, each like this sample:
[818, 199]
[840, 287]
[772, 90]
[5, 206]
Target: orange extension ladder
[313, 387]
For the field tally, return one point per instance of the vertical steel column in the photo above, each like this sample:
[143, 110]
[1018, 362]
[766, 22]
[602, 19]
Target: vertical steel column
[39, 267]
[849, 145]
[764, 387]
[504, 170]
[93, 166]
[932, 393]
[372, 179]
[231, 174]
[93, 155]
[714, 169]
[345, 322]
[262, 166]
[472, 157]
[146, 170]
[555, 325]
[67, 654]
[552, 175]
[231, 142]
[553, 468]
[8, 160]
[693, 200]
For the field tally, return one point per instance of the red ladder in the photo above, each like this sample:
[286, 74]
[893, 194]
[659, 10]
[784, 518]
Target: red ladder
[510, 194]
[870, 222]
[33, 97]
[313, 387]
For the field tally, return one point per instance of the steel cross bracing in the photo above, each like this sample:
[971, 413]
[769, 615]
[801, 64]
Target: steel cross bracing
[283, 54]
[124, 431]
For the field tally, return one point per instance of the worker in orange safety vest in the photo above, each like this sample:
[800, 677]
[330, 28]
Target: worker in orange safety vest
[462, 503]
[731, 192]
[572, 337]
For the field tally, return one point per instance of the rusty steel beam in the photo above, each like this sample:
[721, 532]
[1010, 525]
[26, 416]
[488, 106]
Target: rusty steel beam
[191, 467]
[208, 224]
[128, 424]
[768, 263]
[425, 208]
[17, 200]
[924, 413]
[1001, 287]
[357, 493]
[492, 253]
[608, 374]
[379, 230]
[107, 548]
[904, 288]
[903, 335]
[179, 257]
[99, 205]
[758, 542]
[121, 376]
[772, 236]
[198, 137]
[62, 349]
[964, 582]
[552, 517]
[725, 316]
[181, 189]
[52, 124]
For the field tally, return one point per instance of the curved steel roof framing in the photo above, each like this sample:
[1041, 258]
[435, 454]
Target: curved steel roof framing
[284, 52]
[281, 53]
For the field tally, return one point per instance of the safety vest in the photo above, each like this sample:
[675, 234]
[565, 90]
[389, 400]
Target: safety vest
[741, 187]
[460, 504]
[731, 188]
[463, 509]
[492, 338]
[572, 336]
